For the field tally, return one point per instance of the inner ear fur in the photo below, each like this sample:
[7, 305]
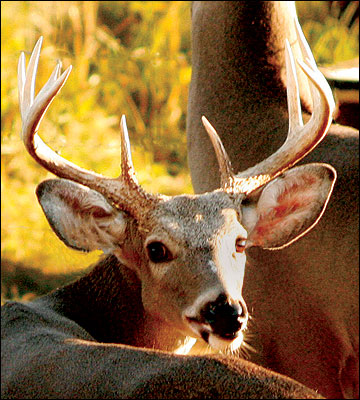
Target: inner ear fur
[288, 207]
[81, 217]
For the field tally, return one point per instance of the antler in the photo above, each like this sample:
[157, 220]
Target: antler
[124, 191]
[301, 139]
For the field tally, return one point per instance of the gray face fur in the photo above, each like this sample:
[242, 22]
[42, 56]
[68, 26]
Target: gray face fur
[207, 228]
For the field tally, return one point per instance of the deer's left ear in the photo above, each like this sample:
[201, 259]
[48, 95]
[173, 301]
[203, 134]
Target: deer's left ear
[289, 206]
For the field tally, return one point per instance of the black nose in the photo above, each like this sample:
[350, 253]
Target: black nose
[225, 318]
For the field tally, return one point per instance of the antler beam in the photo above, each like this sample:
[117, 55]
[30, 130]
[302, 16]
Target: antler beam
[124, 190]
[301, 139]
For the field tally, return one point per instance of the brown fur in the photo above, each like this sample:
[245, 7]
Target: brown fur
[309, 328]
[63, 346]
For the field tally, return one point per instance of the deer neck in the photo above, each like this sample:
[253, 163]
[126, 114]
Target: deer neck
[107, 304]
[239, 82]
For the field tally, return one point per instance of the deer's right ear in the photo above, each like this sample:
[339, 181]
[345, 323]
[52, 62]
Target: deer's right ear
[81, 217]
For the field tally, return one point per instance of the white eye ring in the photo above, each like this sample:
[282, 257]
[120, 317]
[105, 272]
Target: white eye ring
[240, 244]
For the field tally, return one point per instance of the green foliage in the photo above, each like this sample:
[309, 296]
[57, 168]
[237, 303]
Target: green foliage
[129, 57]
[333, 35]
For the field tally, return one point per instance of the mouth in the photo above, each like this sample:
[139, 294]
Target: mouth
[226, 341]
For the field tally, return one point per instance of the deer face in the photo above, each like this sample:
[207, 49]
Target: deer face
[195, 265]
[188, 251]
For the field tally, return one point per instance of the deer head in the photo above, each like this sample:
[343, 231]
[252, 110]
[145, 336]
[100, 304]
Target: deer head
[188, 251]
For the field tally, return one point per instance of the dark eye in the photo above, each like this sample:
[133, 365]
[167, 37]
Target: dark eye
[240, 245]
[158, 252]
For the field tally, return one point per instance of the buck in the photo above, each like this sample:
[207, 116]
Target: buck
[139, 324]
[303, 298]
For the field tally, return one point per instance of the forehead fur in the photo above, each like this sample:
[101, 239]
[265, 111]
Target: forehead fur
[192, 218]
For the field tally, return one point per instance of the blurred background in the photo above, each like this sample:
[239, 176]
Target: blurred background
[128, 57]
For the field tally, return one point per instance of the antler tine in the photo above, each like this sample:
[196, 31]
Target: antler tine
[118, 191]
[27, 86]
[310, 60]
[304, 45]
[226, 172]
[127, 166]
[301, 139]
[292, 91]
